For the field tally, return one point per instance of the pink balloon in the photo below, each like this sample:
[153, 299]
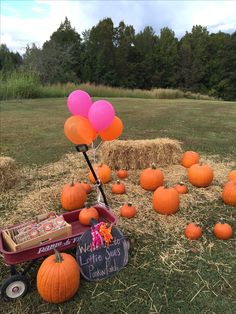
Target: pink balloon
[79, 103]
[101, 115]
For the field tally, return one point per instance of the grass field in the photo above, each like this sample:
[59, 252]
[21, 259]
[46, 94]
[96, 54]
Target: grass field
[32, 130]
[166, 273]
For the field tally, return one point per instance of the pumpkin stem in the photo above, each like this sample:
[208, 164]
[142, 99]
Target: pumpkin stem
[153, 166]
[129, 204]
[166, 185]
[118, 181]
[72, 182]
[181, 183]
[59, 258]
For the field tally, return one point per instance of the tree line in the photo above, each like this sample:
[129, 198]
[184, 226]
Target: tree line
[117, 56]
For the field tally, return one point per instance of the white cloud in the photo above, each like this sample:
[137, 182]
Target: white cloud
[178, 15]
[38, 9]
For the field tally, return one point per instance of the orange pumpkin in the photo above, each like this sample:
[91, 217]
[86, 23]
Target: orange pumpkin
[86, 214]
[122, 174]
[193, 232]
[151, 178]
[223, 230]
[229, 193]
[128, 211]
[165, 200]
[118, 188]
[58, 278]
[232, 175]
[73, 196]
[190, 158]
[102, 171]
[86, 186]
[181, 188]
[200, 175]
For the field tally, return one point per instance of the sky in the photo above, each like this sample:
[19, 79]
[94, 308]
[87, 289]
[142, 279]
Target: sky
[33, 21]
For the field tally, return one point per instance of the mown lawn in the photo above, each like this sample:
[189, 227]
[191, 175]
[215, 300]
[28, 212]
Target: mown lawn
[32, 130]
[165, 274]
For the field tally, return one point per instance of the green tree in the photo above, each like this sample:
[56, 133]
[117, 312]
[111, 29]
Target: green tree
[124, 61]
[226, 86]
[61, 55]
[166, 59]
[193, 59]
[216, 63]
[99, 56]
[145, 45]
[9, 61]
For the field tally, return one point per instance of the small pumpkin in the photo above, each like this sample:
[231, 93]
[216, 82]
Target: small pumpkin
[128, 211]
[222, 230]
[58, 278]
[229, 193]
[200, 175]
[165, 200]
[181, 188]
[193, 231]
[232, 175]
[86, 186]
[86, 214]
[190, 158]
[118, 188]
[122, 174]
[102, 171]
[151, 178]
[73, 196]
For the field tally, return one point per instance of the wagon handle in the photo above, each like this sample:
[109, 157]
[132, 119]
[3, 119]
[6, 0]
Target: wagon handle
[83, 149]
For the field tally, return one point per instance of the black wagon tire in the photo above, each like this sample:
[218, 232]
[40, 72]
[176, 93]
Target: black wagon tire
[14, 287]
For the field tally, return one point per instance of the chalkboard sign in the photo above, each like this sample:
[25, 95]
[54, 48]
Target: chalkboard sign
[105, 261]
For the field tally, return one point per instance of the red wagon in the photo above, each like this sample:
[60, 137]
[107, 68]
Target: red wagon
[16, 285]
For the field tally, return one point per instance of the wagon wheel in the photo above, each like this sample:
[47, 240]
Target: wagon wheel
[14, 287]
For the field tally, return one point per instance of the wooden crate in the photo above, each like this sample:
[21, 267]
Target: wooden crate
[10, 244]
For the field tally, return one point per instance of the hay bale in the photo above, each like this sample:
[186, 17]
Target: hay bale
[140, 154]
[9, 173]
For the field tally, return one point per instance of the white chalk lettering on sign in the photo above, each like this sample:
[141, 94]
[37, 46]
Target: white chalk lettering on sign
[93, 258]
[87, 247]
[113, 253]
[107, 270]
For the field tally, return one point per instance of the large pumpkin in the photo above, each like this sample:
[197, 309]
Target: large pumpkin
[229, 193]
[165, 200]
[102, 171]
[151, 178]
[58, 278]
[232, 175]
[73, 196]
[190, 158]
[200, 175]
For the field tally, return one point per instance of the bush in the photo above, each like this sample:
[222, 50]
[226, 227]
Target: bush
[19, 85]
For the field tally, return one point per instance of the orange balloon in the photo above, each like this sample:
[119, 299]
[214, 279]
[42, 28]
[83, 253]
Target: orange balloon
[79, 130]
[113, 131]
